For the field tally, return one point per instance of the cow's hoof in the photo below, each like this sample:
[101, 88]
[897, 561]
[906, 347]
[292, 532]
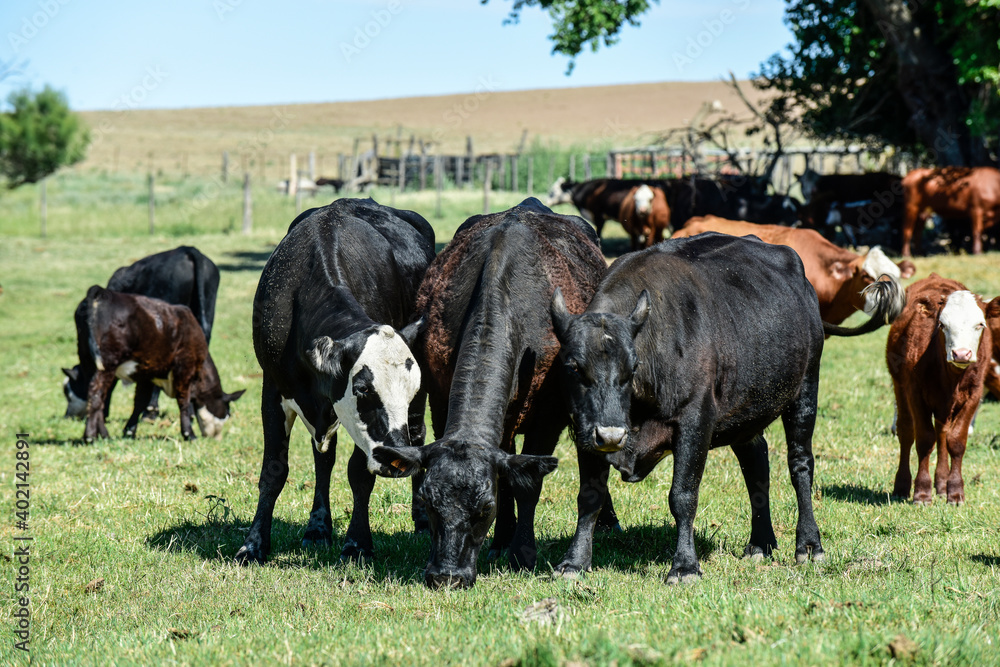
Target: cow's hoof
[924, 500]
[566, 570]
[421, 526]
[355, 553]
[755, 553]
[956, 501]
[678, 577]
[609, 528]
[150, 415]
[816, 556]
[249, 554]
[314, 539]
[494, 554]
[130, 434]
[901, 492]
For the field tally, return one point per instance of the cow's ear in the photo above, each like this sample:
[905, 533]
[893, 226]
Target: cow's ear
[993, 308]
[401, 461]
[411, 331]
[525, 472]
[640, 312]
[841, 271]
[72, 373]
[327, 355]
[906, 269]
[561, 317]
[229, 398]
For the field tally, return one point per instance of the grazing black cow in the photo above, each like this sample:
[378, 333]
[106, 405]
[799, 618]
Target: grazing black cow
[489, 355]
[700, 343]
[182, 276]
[149, 342]
[328, 330]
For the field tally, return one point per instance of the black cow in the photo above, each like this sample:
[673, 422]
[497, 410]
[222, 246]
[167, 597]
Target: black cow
[734, 197]
[182, 276]
[328, 330]
[733, 341]
[599, 199]
[489, 355]
[152, 343]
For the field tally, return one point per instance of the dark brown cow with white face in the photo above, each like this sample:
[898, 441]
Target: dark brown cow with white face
[149, 342]
[645, 214]
[938, 353]
[837, 275]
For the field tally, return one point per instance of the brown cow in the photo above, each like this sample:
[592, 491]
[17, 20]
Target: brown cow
[938, 352]
[972, 192]
[149, 342]
[837, 275]
[644, 213]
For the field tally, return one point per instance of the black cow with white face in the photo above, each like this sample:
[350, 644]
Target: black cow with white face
[695, 344]
[332, 323]
[490, 359]
[183, 276]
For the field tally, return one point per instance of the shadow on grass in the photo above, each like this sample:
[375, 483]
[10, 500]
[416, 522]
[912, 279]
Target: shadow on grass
[852, 493]
[616, 247]
[983, 559]
[245, 260]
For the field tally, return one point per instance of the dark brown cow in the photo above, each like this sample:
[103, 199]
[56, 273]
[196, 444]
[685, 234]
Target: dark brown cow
[645, 213]
[597, 200]
[972, 192]
[837, 275]
[149, 342]
[938, 353]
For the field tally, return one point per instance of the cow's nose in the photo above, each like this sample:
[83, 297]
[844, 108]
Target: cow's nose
[609, 438]
[961, 355]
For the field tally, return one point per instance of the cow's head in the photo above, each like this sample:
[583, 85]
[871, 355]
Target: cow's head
[211, 403]
[643, 199]
[372, 380]
[599, 360]
[961, 322]
[459, 490]
[561, 192]
[75, 390]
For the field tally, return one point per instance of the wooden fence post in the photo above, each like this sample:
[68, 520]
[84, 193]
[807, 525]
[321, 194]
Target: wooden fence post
[502, 176]
[531, 175]
[225, 166]
[423, 171]
[459, 176]
[609, 166]
[514, 181]
[312, 165]
[152, 206]
[486, 186]
[247, 205]
[43, 207]
[293, 176]
[587, 174]
[439, 184]
[572, 167]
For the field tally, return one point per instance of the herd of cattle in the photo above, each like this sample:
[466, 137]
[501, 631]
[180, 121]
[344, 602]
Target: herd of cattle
[875, 208]
[519, 326]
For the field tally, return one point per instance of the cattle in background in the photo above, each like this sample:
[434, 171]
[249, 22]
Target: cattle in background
[644, 213]
[972, 192]
[938, 353]
[332, 322]
[695, 344]
[149, 342]
[597, 200]
[182, 276]
[992, 382]
[335, 183]
[728, 196]
[867, 207]
[492, 372]
[837, 275]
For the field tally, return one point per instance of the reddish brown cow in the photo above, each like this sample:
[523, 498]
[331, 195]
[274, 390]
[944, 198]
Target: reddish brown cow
[644, 213]
[837, 275]
[992, 382]
[149, 342]
[972, 192]
[938, 352]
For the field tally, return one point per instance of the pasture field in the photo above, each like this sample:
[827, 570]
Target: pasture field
[131, 561]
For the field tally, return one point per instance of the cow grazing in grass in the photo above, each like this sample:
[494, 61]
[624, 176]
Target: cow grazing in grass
[152, 343]
[837, 275]
[332, 323]
[644, 214]
[491, 359]
[700, 343]
[972, 192]
[182, 276]
[938, 353]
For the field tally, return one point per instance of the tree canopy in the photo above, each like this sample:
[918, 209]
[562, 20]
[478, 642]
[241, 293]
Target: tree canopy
[38, 135]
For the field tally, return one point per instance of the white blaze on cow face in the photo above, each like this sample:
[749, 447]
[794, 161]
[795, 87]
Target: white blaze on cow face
[389, 375]
[75, 406]
[557, 195]
[210, 425]
[962, 322]
[643, 199]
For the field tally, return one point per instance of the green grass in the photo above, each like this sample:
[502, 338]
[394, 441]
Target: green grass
[159, 519]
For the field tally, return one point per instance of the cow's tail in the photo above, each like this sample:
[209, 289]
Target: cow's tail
[93, 299]
[884, 301]
[206, 286]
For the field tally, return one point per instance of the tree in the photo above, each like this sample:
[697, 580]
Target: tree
[583, 24]
[38, 136]
[921, 76]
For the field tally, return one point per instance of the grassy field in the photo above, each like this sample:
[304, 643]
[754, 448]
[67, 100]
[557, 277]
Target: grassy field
[133, 540]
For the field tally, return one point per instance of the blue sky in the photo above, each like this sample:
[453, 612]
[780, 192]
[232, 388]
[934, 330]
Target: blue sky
[188, 53]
